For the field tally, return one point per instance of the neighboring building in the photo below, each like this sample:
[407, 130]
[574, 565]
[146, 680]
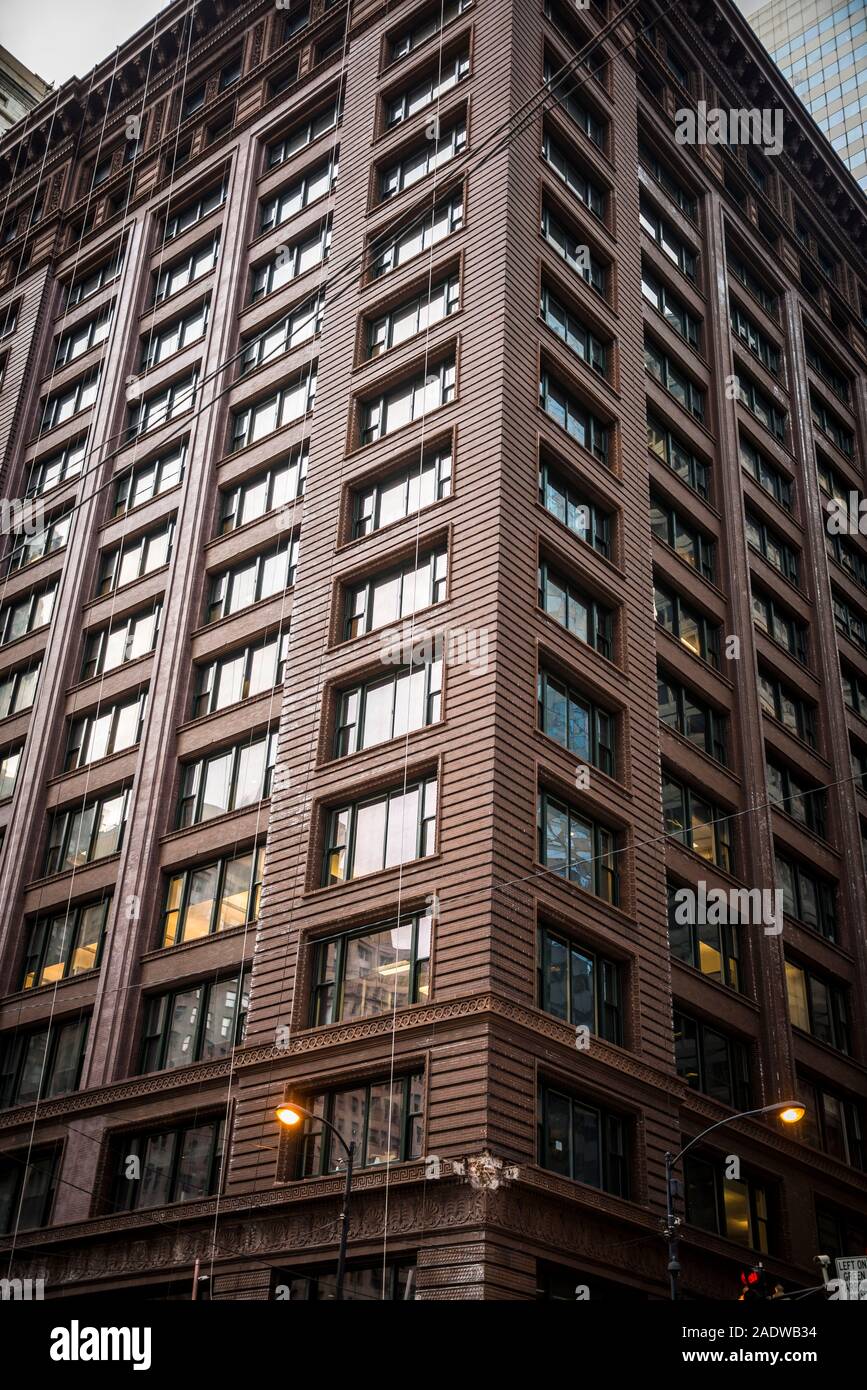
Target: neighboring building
[564, 377]
[20, 90]
[821, 47]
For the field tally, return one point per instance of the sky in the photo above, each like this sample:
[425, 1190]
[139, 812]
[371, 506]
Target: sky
[59, 39]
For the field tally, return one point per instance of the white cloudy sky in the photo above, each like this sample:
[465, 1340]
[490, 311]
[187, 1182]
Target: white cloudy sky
[64, 38]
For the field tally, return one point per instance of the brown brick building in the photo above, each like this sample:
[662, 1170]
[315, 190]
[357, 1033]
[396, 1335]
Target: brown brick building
[341, 752]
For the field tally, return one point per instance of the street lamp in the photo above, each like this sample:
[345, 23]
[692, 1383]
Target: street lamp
[290, 1114]
[790, 1111]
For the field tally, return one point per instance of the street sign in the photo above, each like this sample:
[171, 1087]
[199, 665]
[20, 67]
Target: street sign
[852, 1269]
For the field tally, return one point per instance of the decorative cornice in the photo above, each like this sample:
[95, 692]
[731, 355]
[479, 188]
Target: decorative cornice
[478, 1006]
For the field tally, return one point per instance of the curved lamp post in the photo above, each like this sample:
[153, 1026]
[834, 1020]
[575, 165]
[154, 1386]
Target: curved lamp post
[790, 1111]
[290, 1114]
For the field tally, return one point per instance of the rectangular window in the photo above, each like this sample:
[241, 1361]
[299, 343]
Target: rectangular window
[839, 1232]
[411, 400]
[848, 556]
[213, 897]
[384, 1119]
[818, 1006]
[227, 781]
[712, 1062]
[668, 241]
[697, 823]
[667, 525]
[691, 716]
[27, 614]
[303, 323]
[109, 729]
[691, 628]
[187, 269]
[574, 252]
[18, 689]
[403, 493]
[567, 412]
[265, 492]
[164, 342]
[290, 262]
[771, 619]
[570, 97]
[577, 723]
[149, 480]
[709, 947]
[826, 369]
[794, 795]
[672, 309]
[579, 986]
[648, 163]
[670, 377]
[371, 971]
[585, 190]
[854, 690]
[421, 160]
[736, 1208]
[303, 135]
[240, 675]
[582, 1142]
[411, 317]
[75, 342]
[388, 707]
[380, 832]
[125, 640]
[366, 1283]
[779, 701]
[808, 897]
[448, 73]
[389, 251]
[60, 405]
[434, 19]
[90, 831]
[577, 848]
[771, 546]
[134, 558]
[577, 337]
[258, 578]
[27, 547]
[826, 421]
[194, 211]
[309, 187]
[175, 1165]
[161, 406]
[10, 765]
[766, 474]
[753, 338]
[586, 619]
[49, 472]
[27, 1190]
[848, 621]
[744, 275]
[198, 1023]
[760, 405]
[285, 407]
[662, 442]
[41, 1063]
[833, 1124]
[94, 280]
[585, 520]
[64, 944]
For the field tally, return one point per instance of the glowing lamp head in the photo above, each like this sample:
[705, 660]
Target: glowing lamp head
[288, 1114]
[792, 1114]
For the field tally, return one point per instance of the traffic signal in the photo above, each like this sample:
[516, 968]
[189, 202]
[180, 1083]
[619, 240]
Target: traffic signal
[754, 1285]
